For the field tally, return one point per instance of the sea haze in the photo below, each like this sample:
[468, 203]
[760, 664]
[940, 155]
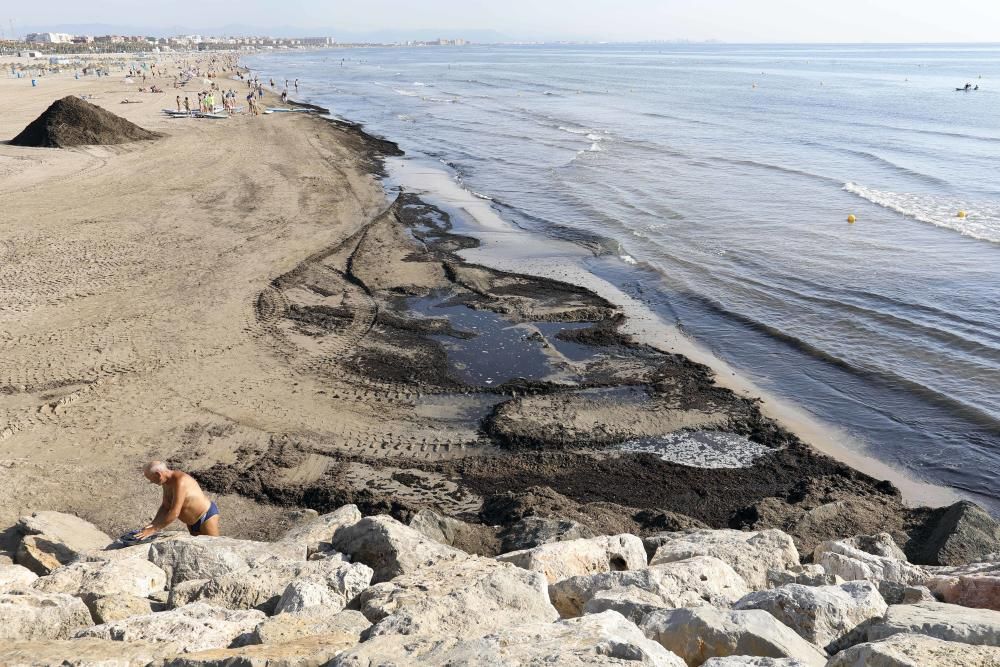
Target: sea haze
[722, 176]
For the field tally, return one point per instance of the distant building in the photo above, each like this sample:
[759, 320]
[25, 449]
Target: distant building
[49, 38]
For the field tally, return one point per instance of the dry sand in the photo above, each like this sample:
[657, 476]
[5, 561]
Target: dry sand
[236, 297]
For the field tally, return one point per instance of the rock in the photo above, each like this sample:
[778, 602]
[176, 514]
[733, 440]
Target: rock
[561, 560]
[332, 584]
[264, 584]
[911, 650]
[315, 651]
[956, 535]
[137, 552]
[52, 539]
[116, 607]
[630, 601]
[533, 531]
[316, 534]
[699, 633]
[942, 621]
[479, 595]
[125, 577]
[186, 558]
[918, 594]
[33, 615]
[195, 627]
[881, 544]
[389, 547]
[601, 639]
[852, 564]
[541, 501]
[82, 653]
[15, 577]
[314, 621]
[750, 661]
[976, 585]
[829, 616]
[807, 575]
[186, 592]
[751, 554]
[470, 538]
[692, 582]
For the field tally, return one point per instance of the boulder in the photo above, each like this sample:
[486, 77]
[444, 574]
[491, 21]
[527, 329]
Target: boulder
[841, 558]
[333, 584]
[751, 661]
[82, 653]
[562, 560]
[917, 594]
[390, 548]
[316, 534]
[108, 608]
[33, 615]
[195, 627]
[316, 651]
[697, 581]
[478, 595]
[976, 585]
[942, 621]
[601, 639]
[125, 577]
[186, 592]
[263, 585]
[807, 575]
[828, 616]
[187, 558]
[880, 544]
[630, 601]
[699, 633]
[314, 621]
[15, 577]
[912, 650]
[470, 538]
[956, 535]
[51, 539]
[751, 554]
[533, 531]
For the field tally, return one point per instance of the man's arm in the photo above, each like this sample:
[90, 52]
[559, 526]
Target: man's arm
[167, 513]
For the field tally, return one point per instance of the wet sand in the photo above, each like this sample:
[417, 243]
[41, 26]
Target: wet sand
[240, 298]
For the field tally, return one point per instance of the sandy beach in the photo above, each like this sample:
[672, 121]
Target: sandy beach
[240, 298]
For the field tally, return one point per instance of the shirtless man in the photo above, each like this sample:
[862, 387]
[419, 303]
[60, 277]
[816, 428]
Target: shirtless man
[182, 499]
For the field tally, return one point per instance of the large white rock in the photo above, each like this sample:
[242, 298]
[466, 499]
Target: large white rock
[187, 558]
[478, 595]
[752, 661]
[807, 575]
[751, 554]
[317, 534]
[942, 621]
[699, 633]
[851, 563]
[390, 548]
[828, 616]
[316, 651]
[263, 585]
[532, 531]
[602, 639]
[15, 577]
[911, 650]
[33, 615]
[126, 577]
[332, 586]
[975, 585]
[108, 608]
[347, 625]
[701, 580]
[56, 539]
[82, 653]
[562, 560]
[195, 627]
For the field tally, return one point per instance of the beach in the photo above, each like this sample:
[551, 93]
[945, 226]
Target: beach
[241, 298]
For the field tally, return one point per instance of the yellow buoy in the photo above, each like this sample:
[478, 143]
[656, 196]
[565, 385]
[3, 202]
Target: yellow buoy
[961, 214]
[851, 218]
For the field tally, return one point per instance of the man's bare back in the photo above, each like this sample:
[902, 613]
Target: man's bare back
[183, 500]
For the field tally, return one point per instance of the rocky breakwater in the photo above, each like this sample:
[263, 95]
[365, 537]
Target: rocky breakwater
[346, 590]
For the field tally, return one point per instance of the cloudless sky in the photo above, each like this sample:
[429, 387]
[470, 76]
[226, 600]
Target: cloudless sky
[617, 20]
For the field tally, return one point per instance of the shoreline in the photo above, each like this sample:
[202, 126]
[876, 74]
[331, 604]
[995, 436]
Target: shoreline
[294, 349]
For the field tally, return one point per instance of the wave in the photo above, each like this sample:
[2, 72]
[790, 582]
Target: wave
[982, 220]
[905, 171]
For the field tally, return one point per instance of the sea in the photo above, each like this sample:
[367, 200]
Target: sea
[713, 183]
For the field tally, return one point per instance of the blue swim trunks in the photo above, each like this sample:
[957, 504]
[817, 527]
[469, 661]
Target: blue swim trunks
[195, 528]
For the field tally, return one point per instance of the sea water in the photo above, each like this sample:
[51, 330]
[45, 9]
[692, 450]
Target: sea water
[713, 182]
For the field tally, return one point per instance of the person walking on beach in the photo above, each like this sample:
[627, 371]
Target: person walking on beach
[182, 499]
[296, 85]
[187, 105]
[178, 104]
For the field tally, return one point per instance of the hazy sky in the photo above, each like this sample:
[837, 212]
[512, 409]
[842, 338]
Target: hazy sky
[728, 20]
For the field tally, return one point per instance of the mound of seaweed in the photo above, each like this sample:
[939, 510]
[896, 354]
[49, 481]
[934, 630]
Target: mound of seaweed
[73, 122]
